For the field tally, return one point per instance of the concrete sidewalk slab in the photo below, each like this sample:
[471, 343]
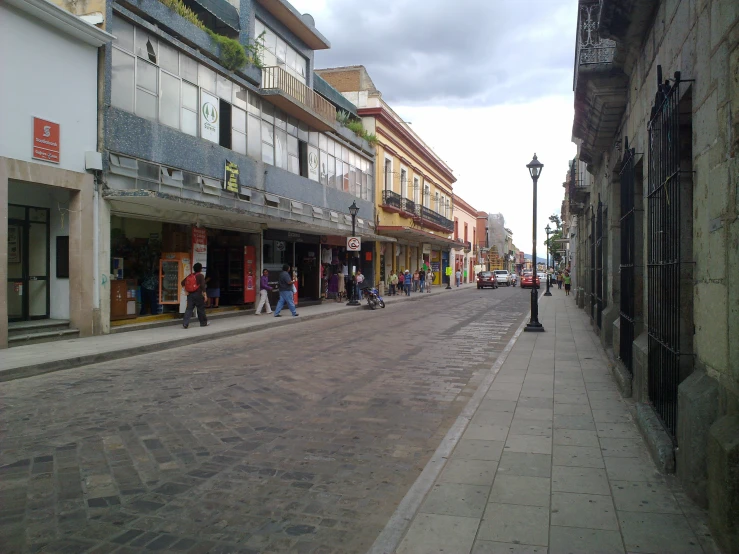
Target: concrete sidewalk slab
[568, 472]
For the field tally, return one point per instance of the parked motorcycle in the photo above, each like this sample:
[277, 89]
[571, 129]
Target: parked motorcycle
[373, 298]
[513, 277]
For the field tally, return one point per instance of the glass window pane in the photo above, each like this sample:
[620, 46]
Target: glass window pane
[281, 149]
[268, 58]
[322, 144]
[313, 138]
[268, 133]
[303, 131]
[292, 146]
[146, 104]
[207, 78]
[268, 112]
[169, 58]
[268, 154]
[123, 32]
[293, 163]
[254, 137]
[292, 126]
[146, 46]
[323, 167]
[239, 97]
[146, 76]
[224, 87]
[290, 58]
[331, 171]
[169, 103]
[238, 142]
[121, 94]
[269, 40]
[238, 119]
[258, 28]
[280, 51]
[339, 173]
[330, 146]
[188, 69]
[254, 104]
[190, 97]
[300, 65]
[190, 122]
[280, 119]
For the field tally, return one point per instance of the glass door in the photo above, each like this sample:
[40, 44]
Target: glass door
[28, 263]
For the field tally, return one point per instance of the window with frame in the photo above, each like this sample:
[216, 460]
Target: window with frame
[276, 52]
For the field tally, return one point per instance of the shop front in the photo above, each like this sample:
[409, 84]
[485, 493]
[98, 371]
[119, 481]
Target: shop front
[149, 259]
[302, 252]
[417, 249]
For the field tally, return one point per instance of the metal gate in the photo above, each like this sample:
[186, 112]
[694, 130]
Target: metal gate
[628, 257]
[599, 304]
[663, 263]
[592, 263]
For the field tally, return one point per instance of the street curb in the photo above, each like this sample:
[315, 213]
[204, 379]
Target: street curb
[392, 534]
[70, 363]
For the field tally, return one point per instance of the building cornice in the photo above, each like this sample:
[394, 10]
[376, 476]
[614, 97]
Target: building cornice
[459, 202]
[63, 21]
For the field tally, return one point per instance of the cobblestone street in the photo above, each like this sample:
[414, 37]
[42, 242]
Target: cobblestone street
[301, 438]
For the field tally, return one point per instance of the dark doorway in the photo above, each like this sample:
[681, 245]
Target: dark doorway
[307, 263]
[28, 263]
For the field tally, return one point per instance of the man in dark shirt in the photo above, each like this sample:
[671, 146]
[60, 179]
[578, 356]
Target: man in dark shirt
[422, 279]
[285, 285]
[197, 298]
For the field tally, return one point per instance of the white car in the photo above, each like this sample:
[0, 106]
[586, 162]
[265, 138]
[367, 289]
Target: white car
[503, 277]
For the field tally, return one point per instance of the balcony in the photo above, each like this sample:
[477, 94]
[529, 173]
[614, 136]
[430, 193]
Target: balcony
[429, 218]
[391, 201]
[294, 97]
[600, 84]
[409, 206]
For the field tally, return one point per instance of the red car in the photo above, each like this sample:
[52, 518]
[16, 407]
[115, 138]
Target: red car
[527, 280]
[487, 279]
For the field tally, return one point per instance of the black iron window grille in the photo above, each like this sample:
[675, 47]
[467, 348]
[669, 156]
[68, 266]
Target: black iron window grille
[599, 301]
[664, 257]
[628, 256]
[390, 198]
[592, 263]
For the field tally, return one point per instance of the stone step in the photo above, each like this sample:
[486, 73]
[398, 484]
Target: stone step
[24, 328]
[37, 337]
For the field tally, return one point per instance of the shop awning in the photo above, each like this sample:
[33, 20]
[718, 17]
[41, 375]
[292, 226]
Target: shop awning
[223, 11]
[412, 234]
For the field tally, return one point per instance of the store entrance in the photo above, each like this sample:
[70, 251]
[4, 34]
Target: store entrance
[28, 263]
[306, 262]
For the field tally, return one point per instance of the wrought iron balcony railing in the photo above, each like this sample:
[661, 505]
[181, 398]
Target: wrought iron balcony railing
[409, 206]
[392, 199]
[276, 78]
[430, 215]
[591, 49]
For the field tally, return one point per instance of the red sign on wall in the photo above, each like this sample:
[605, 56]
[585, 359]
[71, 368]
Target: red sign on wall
[45, 140]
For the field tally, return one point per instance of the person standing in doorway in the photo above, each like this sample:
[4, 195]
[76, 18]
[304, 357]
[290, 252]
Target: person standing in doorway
[285, 286]
[196, 296]
[213, 287]
[264, 290]
[568, 283]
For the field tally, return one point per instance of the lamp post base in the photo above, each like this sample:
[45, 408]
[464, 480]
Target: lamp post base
[534, 328]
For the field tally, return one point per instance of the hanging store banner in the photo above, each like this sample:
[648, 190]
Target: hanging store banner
[200, 247]
[231, 179]
[209, 129]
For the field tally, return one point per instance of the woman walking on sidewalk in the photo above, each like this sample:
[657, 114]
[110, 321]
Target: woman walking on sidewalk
[568, 283]
[560, 278]
[264, 290]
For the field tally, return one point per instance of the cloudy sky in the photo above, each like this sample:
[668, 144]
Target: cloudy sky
[486, 83]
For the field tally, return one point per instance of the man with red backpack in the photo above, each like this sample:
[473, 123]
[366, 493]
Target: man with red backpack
[196, 297]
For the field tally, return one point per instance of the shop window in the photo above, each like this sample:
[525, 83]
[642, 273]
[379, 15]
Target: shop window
[238, 135]
[62, 257]
[253, 135]
[224, 128]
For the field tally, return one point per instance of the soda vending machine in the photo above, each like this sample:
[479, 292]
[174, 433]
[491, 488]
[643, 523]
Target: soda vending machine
[173, 268]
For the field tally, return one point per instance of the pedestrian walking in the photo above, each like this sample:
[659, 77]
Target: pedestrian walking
[407, 282]
[416, 280]
[286, 287]
[196, 296]
[568, 283]
[422, 279]
[393, 283]
[264, 290]
[458, 276]
[358, 280]
[560, 279]
[429, 281]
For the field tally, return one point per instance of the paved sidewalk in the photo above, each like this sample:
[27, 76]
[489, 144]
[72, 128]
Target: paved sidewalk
[549, 460]
[35, 359]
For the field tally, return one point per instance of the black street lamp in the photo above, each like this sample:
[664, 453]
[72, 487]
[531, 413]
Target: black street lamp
[353, 210]
[548, 229]
[534, 167]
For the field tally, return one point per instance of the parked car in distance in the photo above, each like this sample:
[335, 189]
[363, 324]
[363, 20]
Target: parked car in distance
[527, 281]
[503, 277]
[542, 276]
[486, 279]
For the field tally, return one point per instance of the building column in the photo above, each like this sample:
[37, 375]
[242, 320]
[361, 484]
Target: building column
[81, 261]
[3, 255]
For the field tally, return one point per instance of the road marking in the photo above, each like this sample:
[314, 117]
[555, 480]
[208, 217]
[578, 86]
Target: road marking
[390, 537]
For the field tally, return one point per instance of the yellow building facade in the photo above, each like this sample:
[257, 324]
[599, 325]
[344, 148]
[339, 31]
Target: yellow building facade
[413, 186]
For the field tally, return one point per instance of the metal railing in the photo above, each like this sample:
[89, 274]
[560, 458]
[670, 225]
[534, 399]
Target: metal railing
[590, 48]
[276, 78]
[429, 215]
[409, 206]
[390, 198]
